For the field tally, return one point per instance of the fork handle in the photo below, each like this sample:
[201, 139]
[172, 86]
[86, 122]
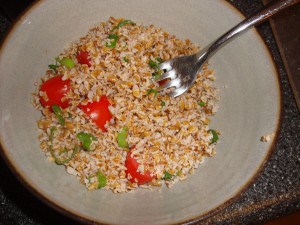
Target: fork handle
[259, 17]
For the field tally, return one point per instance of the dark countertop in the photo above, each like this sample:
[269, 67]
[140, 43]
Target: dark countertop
[275, 193]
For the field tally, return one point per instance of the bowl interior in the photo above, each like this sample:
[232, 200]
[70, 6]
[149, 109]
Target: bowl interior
[249, 107]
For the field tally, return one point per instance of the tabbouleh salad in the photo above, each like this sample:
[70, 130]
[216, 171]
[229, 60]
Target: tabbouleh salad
[103, 119]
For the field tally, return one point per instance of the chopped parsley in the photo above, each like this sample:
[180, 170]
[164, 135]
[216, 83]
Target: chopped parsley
[201, 103]
[122, 135]
[167, 176]
[215, 137]
[151, 90]
[59, 114]
[86, 140]
[53, 67]
[59, 161]
[159, 60]
[125, 59]
[157, 74]
[65, 61]
[122, 23]
[113, 40]
[152, 64]
[101, 180]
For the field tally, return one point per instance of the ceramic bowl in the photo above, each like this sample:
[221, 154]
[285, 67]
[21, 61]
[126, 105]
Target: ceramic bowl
[250, 107]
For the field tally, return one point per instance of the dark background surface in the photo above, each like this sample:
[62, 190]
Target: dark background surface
[275, 193]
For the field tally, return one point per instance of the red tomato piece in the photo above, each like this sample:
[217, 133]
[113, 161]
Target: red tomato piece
[98, 111]
[83, 58]
[56, 89]
[162, 82]
[132, 167]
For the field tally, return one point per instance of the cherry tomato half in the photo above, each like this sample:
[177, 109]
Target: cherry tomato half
[56, 89]
[132, 167]
[98, 111]
[83, 58]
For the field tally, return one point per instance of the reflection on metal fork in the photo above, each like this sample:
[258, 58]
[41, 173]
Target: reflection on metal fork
[182, 71]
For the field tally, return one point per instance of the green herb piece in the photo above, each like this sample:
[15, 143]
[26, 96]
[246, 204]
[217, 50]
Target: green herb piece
[201, 104]
[59, 114]
[159, 60]
[167, 176]
[125, 59]
[53, 67]
[122, 135]
[57, 160]
[101, 180]
[113, 40]
[111, 44]
[215, 137]
[157, 74]
[152, 64]
[113, 36]
[51, 136]
[63, 161]
[122, 23]
[86, 140]
[163, 103]
[57, 59]
[67, 62]
[151, 90]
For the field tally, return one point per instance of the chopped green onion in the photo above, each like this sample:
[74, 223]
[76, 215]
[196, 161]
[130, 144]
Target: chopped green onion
[86, 140]
[151, 90]
[163, 103]
[152, 63]
[157, 74]
[57, 59]
[125, 59]
[67, 62]
[111, 44]
[201, 104]
[52, 130]
[215, 137]
[63, 161]
[122, 23]
[53, 67]
[57, 160]
[59, 114]
[114, 38]
[159, 60]
[101, 180]
[167, 176]
[122, 135]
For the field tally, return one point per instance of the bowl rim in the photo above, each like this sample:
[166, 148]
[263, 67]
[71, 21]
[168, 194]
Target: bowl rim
[47, 200]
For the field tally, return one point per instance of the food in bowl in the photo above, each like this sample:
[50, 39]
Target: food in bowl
[103, 119]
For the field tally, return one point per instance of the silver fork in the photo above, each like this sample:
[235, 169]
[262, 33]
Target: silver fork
[182, 71]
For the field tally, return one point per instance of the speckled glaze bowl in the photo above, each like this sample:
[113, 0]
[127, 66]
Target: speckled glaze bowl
[250, 107]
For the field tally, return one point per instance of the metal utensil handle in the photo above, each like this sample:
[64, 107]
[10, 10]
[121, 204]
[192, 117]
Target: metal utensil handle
[257, 18]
